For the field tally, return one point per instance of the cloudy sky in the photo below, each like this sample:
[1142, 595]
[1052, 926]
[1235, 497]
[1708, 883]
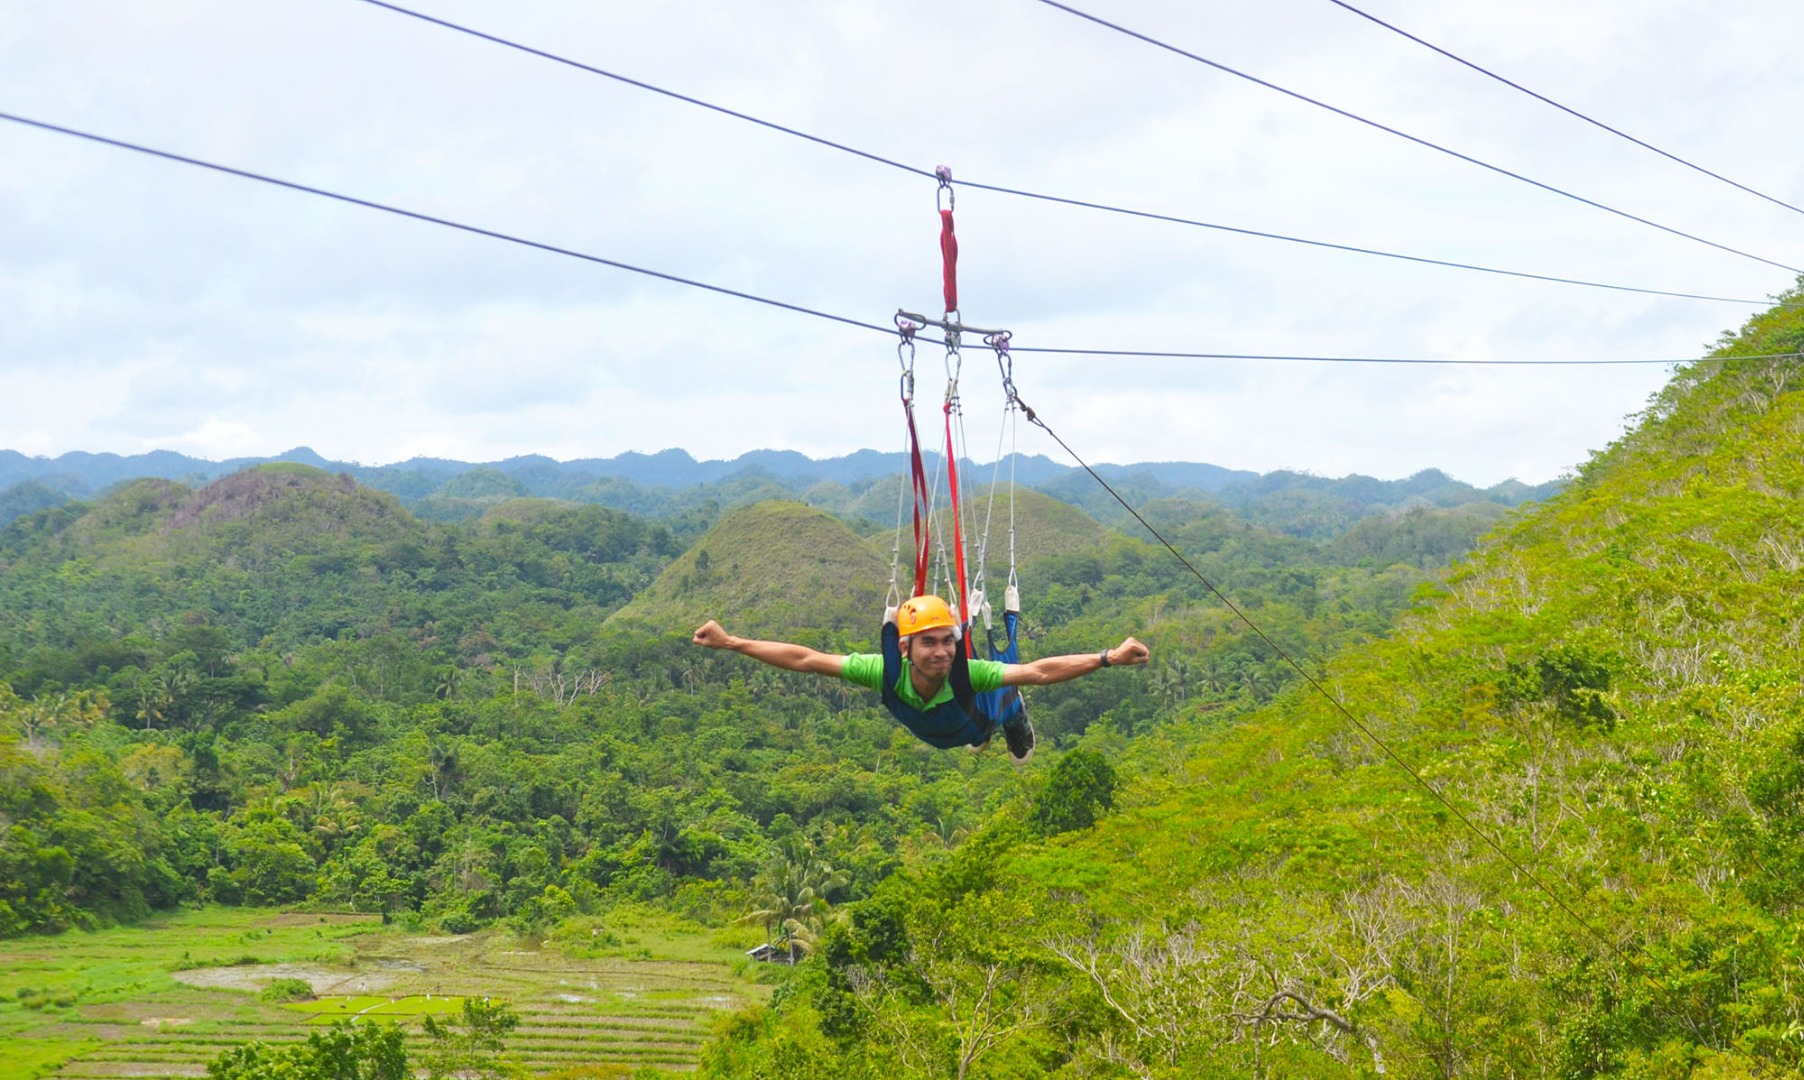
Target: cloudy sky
[146, 304]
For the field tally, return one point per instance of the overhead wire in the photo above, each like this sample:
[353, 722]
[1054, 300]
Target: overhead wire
[1150, 354]
[800, 309]
[1416, 139]
[1021, 192]
[1339, 706]
[642, 85]
[1355, 249]
[1568, 110]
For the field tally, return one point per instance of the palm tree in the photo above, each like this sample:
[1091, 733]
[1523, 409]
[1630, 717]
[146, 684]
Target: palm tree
[330, 815]
[791, 897]
[948, 831]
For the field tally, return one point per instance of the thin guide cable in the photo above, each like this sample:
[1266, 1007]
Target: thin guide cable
[1417, 139]
[1435, 361]
[617, 77]
[1593, 121]
[1363, 729]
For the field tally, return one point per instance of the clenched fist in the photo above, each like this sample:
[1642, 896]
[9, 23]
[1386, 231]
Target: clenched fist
[1128, 652]
[711, 636]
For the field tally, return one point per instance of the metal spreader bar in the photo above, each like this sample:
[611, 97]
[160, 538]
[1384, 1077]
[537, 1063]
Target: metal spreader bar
[948, 325]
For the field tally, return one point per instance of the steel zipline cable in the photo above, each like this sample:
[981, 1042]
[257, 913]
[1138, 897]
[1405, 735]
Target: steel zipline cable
[1000, 189]
[1593, 121]
[432, 219]
[800, 309]
[1338, 706]
[1417, 139]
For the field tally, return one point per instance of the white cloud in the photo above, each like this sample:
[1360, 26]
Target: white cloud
[142, 303]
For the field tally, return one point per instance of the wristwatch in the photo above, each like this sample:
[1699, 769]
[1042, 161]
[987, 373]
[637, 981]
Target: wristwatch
[1104, 657]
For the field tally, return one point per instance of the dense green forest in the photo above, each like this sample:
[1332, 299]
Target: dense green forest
[285, 687]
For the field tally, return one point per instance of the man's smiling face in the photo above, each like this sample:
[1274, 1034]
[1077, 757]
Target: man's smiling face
[931, 652]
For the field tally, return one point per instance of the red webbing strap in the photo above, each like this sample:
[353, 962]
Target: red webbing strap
[949, 259]
[919, 480]
[958, 539]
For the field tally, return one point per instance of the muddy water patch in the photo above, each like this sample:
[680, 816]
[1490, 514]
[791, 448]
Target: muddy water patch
[323, 978]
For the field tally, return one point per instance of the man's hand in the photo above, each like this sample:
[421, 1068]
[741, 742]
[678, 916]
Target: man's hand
[711, 636]
[1128, 652]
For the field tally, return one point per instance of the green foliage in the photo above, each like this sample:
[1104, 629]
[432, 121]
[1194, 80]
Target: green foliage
[1570, 679]
[27, 497]
[280, 990]
[345, 1051]
[1773, 836]
[1715, 996]
[1078, 789]
[1421, 536]
[471, 1044]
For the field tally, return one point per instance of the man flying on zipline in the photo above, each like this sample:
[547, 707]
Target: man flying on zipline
[926, 679]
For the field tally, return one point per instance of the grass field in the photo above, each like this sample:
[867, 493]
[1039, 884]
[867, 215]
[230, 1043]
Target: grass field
[163, 999]
[330, 1010]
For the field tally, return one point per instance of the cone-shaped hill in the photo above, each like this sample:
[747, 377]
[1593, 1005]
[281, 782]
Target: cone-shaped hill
[301, 556]
[1609, 689]
[1044, 528]
[301, 503]
[270, 512]
[774, 569]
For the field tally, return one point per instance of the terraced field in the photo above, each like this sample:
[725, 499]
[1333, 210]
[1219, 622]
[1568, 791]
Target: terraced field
[131, 1015]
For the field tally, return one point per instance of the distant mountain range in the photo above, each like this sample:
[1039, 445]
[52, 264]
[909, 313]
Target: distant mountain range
[672, 482]
[80, 473]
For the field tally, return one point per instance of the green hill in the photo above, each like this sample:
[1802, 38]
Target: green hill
[1609, 689]
[773, 569]
[27, 497]
[289, 557]
[1045, 529]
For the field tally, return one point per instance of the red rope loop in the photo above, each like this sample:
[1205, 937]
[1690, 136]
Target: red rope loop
[949, 260]
[958, 537]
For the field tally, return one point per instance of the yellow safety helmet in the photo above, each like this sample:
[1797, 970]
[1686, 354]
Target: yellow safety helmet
[922, 613]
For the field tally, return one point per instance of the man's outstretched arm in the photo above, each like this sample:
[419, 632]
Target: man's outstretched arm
[775, 653]
[1058, 669]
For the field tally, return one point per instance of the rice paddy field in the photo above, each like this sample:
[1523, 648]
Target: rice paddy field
[162, 1000]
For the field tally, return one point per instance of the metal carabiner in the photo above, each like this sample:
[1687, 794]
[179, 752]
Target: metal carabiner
[944, 174]
[1005, 361]
[905, 356]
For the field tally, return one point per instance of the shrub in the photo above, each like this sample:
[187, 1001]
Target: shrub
[286, 990]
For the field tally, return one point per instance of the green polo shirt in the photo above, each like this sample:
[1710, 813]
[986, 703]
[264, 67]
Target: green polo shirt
[866, 670]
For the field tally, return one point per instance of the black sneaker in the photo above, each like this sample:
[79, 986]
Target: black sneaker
[1019, 734]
